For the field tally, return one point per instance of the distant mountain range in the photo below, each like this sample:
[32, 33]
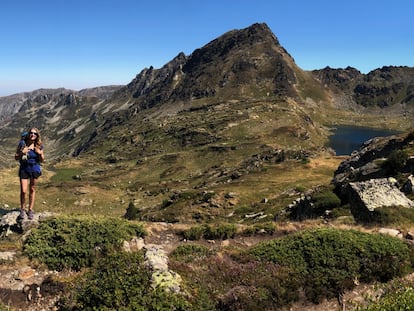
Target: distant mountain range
[201, 99]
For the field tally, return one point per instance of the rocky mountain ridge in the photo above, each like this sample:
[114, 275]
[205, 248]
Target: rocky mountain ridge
[246, 64]
[382, 87]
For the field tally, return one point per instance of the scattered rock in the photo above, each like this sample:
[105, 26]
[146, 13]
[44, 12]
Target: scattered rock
[254, 215]
[135, 244]
[25, 273]
[7, 255]
[10, 223]
[392, 232]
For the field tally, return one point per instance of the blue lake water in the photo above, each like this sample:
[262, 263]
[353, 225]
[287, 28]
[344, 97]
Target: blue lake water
[347, 138]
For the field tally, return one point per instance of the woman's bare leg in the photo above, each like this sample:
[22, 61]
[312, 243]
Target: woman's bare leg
[32, 193]
[23, 190]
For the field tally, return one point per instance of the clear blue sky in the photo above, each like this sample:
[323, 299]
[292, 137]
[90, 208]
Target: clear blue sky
[85, 43]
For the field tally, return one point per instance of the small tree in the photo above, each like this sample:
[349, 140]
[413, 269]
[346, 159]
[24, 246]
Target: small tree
[132, 212]
[396, 161]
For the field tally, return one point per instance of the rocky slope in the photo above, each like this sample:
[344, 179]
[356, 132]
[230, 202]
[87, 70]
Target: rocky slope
[383, 87]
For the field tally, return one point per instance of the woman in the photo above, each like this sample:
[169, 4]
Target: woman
[30, 154]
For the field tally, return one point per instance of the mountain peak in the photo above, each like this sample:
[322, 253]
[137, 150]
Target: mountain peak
[238, 64]
[257, 31]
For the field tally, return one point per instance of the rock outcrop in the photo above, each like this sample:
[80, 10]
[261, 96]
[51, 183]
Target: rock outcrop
[382, 87]
[366, 179]
[368, 162]
[366, 196]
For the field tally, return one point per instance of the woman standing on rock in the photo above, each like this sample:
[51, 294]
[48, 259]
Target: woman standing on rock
[30, 154]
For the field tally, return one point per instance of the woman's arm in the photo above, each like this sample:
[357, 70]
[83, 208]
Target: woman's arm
[39, 151]
[20, 151]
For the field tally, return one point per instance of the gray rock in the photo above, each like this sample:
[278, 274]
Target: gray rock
[9, 219]
[392, 232]
[135, 244]
[7, 255]
[366, 196]
[157, 260]
[10, 223]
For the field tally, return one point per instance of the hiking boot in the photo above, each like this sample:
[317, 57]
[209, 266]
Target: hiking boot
[30, 214]
[22, 215]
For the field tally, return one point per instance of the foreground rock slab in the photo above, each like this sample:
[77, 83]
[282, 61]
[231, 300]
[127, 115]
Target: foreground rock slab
[366, 196]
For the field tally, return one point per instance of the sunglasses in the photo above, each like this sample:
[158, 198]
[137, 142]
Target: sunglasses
[33, 133]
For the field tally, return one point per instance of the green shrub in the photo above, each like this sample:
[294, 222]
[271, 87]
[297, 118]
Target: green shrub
[194, 233]
[121, 281]
[400, 300]
[189, 252]
[225, 283]
[221, 231]
[267, 228]
[187, 195]
[211, 232]
[132, 212]
[255, 285]
[300, 188]
[316, 206]
[396, 161]
[329, 260]
[74, 243]
[344, 210]
[326, 200]
[395, 215]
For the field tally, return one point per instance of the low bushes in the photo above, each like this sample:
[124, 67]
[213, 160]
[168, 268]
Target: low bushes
[189, 252]
[220, 231]
[326, 200]
[392, 215]
[402, 299]
[396, 161]
[268, 228]
[316, 205]
[74, 243]
[329, 260]
[220, 282]
[120, 281]
[311, 265]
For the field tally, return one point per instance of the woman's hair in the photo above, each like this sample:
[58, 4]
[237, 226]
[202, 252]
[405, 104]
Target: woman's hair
[38, 140]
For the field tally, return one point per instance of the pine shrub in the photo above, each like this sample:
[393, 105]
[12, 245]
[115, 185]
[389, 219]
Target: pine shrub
[74, 243]
[396, 161]
[120, 281]
[400, 300]
[189, 252]
[211, 232]
[330, 260]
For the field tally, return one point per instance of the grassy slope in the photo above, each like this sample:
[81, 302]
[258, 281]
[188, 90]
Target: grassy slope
[153, 155]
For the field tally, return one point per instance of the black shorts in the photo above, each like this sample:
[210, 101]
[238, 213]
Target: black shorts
[28, 175]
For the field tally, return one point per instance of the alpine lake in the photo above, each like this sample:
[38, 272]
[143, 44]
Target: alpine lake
[348, 138]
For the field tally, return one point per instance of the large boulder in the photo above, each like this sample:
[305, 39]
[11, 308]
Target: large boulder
[374, 160]
[10, 223]
[367, 196]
